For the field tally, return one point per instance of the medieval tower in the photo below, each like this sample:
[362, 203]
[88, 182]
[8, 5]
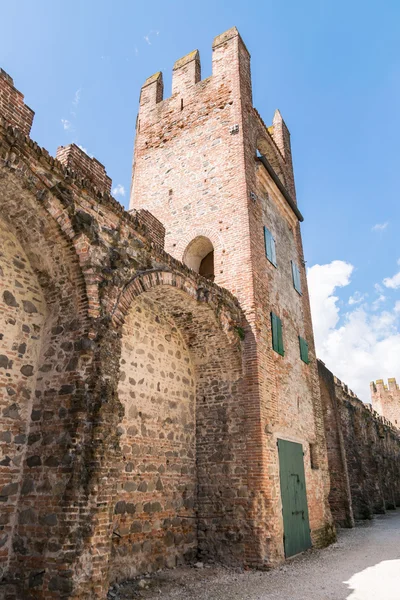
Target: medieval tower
[221, 182]
[386, 400]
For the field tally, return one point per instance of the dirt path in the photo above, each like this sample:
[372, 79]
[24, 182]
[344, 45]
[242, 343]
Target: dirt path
[364, 564]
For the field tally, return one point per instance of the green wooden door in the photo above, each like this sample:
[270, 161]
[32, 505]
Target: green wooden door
[294, 499]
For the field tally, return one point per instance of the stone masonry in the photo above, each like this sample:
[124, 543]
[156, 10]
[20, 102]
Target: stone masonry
[141, 402]
[363, 454]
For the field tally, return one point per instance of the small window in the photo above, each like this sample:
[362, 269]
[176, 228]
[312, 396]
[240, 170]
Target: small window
[277, 338]
[270, 249]
[303, 350]
[296, 277]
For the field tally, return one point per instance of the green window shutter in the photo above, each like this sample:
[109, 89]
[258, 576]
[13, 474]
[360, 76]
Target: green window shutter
[277, 337]
[270, 249]
[304, 350]
[296, 277]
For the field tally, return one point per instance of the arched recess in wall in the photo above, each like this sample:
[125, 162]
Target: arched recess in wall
[199, 256]
[43, 317]
[182, 433]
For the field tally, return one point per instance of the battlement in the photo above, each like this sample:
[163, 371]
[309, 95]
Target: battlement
[12, 105]
[386, 399]
[75, 158]
[229, 51]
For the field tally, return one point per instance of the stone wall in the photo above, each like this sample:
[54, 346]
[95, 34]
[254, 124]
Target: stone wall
[158, 442]
[363, 454]
[89, 427]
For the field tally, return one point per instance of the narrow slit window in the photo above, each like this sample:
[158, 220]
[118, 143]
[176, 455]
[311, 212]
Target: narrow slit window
[277, 337]
[270, 247]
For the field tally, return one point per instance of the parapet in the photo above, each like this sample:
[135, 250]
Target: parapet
[155, 230]
[379, 386]
[89, 168]
[12, 105]
[386, 399]
[229, 52]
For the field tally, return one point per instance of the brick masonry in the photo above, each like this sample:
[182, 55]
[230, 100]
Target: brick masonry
[141, 403]
[196, 169]
[386, 400]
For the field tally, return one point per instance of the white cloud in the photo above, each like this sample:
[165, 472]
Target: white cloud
[147, 37]
[356, 298]
[77, 97]
[119, 190]
[380, 226]
[66, 124]
[365, 345]
[393, 282]
[84, 149]
[323, 280]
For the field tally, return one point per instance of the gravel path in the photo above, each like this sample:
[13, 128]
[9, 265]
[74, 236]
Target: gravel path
[364, 564]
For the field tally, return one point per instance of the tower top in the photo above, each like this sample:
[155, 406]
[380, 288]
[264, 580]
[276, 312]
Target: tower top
[386, 399]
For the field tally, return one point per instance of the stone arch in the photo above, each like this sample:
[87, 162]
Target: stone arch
[41, 417]
[180, 492]
[199, 256]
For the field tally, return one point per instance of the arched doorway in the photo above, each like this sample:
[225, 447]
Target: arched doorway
[199, 256]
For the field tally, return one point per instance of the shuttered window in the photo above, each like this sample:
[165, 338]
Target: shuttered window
[277, 338]
[270, 249]
[296, 277]
[303, 350]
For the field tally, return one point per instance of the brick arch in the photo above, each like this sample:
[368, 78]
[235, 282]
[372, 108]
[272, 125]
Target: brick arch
[44, 494]
[37, 197]
[167, 318]
[210, 232]
[193, 286]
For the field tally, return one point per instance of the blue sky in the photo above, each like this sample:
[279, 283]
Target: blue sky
[333, 69]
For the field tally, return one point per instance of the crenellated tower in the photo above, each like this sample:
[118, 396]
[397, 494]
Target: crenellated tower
[221, 182]
[386, 400]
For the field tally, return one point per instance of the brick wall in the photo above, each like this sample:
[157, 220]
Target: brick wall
[154, 228]
[363, 453]
[386, 400]
[85, 426]
[12, 106]
[88, 167]
[196, 169]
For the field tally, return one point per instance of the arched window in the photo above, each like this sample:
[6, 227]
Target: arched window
[199, 256]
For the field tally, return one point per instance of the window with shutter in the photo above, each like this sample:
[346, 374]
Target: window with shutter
[277, 337]
[296, 277]
[303, 350]
[270, 249]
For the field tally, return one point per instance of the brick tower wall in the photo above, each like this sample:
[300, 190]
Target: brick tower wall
[386, 400]
[196, 169]
[12, 105]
